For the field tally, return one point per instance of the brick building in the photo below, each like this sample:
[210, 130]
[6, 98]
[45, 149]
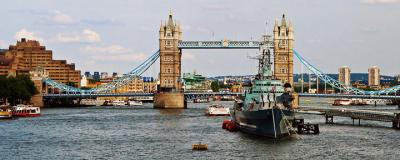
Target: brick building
[27, 55]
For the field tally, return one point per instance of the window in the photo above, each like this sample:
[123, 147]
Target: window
[168, 58]
[282, 70]
[285, 58]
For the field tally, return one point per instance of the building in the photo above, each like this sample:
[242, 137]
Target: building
[149, 85]
[194, 82]
[170, 56]
[344, 76]
[96, 76]
[283, 51]
[84, 81]
[103, 75]
[27, 55]
[237, 88]
[397, 80]
[139, 84]
[374, 77]
[136, 85]
[88, 75]
[114, 74]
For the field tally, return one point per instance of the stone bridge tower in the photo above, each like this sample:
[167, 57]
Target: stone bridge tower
[284, 43]
[170, 90]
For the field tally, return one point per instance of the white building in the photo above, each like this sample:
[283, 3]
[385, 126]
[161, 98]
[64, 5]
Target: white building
[344, 75]
[84, 81]
[374, 77]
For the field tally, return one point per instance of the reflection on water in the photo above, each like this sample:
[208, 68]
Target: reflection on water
[147, 133]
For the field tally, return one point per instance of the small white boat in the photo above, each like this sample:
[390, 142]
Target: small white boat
[91, 102]
[341, 102]
[118, 103]
[135, 103]
[376, 101]
[217, 110]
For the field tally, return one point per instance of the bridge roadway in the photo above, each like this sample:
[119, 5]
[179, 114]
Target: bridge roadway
[80, 95]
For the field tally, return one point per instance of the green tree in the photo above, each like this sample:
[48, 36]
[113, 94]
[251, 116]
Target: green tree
[4, 88]
[19, 89]
[215, 86]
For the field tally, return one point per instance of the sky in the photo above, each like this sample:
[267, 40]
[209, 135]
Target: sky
[117, 35]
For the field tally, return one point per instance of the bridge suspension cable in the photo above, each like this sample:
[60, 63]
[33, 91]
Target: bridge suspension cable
[336, 84]
[117, 83]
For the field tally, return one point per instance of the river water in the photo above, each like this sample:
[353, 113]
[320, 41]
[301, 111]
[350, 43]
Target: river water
[147, 133]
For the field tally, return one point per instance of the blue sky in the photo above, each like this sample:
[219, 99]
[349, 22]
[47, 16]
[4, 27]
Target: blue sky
[117, 35]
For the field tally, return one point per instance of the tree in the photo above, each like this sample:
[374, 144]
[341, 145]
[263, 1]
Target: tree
[17, 89]
[215, 86]
[4, 88]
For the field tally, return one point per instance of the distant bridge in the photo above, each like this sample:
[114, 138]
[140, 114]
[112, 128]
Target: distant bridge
[203, 94]
[93, 95]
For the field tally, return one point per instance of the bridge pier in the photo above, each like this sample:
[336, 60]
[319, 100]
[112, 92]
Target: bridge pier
[328, 119]
[170, 100]
[396, 121]
[359, 121]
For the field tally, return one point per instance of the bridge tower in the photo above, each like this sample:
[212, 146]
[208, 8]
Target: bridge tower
[283, 48]
[170, 90]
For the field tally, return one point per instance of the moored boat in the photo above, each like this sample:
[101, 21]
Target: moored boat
[377, 101]
[91, 102]
[266, 108]
[22, 110]
[201, 100]
[5, 112]
[135, 103]
[341, 102]
[217, 110]
[118, 103]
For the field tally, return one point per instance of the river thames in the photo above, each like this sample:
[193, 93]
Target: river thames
[147, 133]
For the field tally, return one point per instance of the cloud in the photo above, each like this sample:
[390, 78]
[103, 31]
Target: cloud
[113, 53]
[86, 36]
[380, 1]
[24, 33]
[113, 49]
[62, 18]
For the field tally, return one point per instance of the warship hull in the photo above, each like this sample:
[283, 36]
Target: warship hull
[267, 122]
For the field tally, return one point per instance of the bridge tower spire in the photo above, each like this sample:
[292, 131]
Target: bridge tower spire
[283, 48]
[170, 88]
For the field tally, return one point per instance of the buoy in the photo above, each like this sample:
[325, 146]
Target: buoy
[200, 147]
[231, 126]
[225, 123]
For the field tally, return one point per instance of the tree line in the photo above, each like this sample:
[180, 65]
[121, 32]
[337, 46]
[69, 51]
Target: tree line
[16, 90]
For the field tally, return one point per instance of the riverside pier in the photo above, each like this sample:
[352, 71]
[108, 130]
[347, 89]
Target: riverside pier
[354, 114]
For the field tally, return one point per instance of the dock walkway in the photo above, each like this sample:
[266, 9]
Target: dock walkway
[354, 114]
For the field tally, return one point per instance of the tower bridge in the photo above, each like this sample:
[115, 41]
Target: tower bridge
[171, 46]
